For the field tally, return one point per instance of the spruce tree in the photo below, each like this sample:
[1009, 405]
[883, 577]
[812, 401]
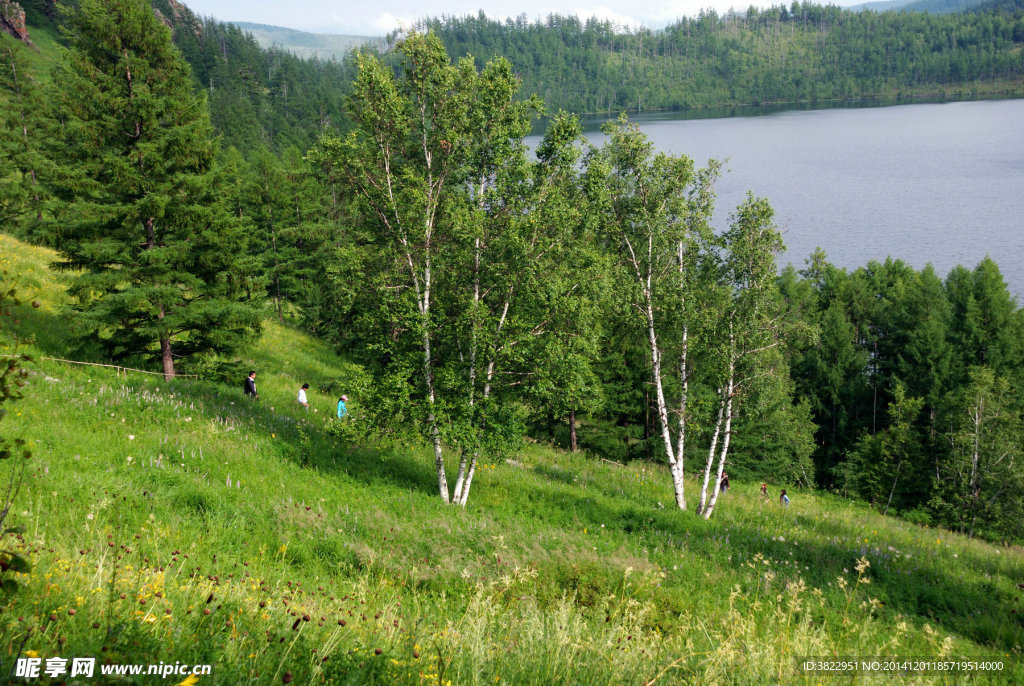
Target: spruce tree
[23, 125]
[159, 259]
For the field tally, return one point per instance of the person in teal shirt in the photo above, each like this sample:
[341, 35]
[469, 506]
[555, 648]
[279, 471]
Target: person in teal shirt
[342, 410]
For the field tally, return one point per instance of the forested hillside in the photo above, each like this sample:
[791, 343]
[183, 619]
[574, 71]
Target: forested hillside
[225, 523]
[324, 46]
[415, 402]
[804, 52]
[259, 98]
[494, 295]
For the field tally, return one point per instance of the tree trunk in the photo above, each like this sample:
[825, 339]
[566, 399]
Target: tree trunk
[462, 493]
[711, 455]
[679, 473]
[976, 418]
[725, 445]
[895, 479]
[167, 357]
[435, 433]
[428, 374]
[659, 393]
[464, 465]
[277, 268]
[165, 348]
[572, 429]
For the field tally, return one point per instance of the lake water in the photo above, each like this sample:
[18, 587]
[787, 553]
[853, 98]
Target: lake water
[938, 183]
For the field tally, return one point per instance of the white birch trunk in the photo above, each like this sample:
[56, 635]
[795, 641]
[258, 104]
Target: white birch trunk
[976, 418]
[725, 444]
[462, 490]
[678, 470]
[711, 454]
[666, 433]
[428, 378]
[461, 479]
[463, 495]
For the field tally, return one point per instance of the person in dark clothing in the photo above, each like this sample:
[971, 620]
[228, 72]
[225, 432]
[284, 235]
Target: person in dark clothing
[250, 386]
[725, 483]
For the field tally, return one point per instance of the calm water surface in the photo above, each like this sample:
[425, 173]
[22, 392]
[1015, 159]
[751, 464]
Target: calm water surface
[938, 183]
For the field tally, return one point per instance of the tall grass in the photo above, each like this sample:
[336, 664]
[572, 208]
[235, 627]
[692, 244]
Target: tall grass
[183, 522]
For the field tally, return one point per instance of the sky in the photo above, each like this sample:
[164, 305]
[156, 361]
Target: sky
[378, 18]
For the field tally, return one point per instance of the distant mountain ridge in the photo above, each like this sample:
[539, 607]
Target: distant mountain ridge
[930, 6]
[324, 46]
[882, 6]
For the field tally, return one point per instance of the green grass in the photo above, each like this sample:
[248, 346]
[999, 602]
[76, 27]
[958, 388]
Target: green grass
[182, 522]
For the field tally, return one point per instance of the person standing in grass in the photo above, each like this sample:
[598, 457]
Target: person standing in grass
[250, 386]
[342, 410]
[725, 483]
[764, 490]
[783, 498]
[302, 396]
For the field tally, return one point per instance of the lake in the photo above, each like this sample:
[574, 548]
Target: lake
[938, 183]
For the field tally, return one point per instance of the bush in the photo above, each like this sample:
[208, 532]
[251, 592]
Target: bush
[918, 516]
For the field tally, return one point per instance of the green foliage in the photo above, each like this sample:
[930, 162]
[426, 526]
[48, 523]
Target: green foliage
[893, 379]
[13, 452]
[874, 468]
[259, 98]
[159, 262]
[987, 325]
[980, 484]
[473, 263]
[562, 568]
[774, 438]
[800, 52]
[23, 129]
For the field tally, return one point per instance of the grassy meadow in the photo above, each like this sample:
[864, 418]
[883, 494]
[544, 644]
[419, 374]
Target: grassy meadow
[184, 523]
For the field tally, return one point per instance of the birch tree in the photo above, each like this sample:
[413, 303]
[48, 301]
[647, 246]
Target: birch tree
[459, 254]
[751, 326]
[981, 483]
[656, 210]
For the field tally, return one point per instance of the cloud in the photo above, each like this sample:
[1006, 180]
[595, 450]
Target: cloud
[371, 26]
[607, 14]
[389, 22]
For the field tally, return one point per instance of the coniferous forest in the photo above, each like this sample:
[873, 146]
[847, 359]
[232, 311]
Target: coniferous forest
[803, 52]
[563, 383]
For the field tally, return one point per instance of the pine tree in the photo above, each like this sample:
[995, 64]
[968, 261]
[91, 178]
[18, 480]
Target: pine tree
[160, 260]
[23, 125]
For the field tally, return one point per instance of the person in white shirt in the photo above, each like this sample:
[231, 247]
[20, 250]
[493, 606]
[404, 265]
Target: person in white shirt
[302, 396]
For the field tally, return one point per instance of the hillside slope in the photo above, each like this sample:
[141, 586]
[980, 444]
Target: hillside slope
[185, 523]
[324, 46]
